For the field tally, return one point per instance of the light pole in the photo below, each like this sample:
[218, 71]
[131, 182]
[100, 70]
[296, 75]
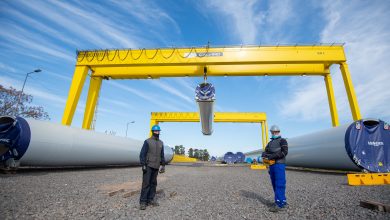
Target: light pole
[127, 126]
[25, 80]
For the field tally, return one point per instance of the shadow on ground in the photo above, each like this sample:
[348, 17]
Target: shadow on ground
[252, 195]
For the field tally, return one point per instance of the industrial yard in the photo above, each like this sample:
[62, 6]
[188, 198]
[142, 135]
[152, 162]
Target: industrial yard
[102, 101]
[185, 191]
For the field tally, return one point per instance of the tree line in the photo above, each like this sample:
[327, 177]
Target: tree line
[200, 154]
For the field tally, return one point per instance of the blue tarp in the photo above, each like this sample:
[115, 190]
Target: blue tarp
[229, 157]
[240, 157]
[368, 145]
[15, 135]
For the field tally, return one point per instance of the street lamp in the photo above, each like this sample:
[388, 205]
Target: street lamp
[25, 80]
[127, 126]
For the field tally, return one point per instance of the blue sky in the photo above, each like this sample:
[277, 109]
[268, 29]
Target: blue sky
[46, 35]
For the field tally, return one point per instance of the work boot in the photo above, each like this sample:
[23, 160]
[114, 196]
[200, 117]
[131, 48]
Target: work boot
[142, 206]
[154, 203]
[275, 208]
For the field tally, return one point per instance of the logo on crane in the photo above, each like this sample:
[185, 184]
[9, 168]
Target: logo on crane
[203, 54]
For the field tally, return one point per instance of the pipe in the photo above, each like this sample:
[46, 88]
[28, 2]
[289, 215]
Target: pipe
[205, 97]
[362, 145]
[29, 142]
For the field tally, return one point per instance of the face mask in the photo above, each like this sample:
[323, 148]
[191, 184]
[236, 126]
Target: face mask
[156, 135]
[275, 136]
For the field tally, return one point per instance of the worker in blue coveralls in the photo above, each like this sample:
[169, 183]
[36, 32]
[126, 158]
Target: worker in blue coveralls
[275, 155]
[151, 159]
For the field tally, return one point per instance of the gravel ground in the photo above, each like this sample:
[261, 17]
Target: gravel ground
[185, 192]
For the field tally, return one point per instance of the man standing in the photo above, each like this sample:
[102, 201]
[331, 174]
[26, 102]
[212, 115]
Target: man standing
[151, 157]
[275, 155]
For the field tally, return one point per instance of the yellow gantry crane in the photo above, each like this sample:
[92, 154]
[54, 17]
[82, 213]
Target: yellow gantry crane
[313, 60]
[238, 117]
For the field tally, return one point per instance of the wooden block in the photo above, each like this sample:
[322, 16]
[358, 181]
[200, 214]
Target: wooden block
[132, 193]
[115, 192]
[172, 194]
[375, 206]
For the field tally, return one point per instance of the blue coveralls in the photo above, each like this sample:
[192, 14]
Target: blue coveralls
[278, 180]
[277, 150]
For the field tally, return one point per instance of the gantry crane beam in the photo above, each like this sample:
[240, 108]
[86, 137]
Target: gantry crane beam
[214, 56]
[154, 72]
[213, 61]
[234, 117]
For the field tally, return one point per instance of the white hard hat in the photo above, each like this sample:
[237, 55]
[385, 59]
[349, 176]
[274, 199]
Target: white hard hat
[274, 128]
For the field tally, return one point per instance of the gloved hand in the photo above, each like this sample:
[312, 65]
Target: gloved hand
[265, 155]
[271, 156]
[162, 169]
[144, 168]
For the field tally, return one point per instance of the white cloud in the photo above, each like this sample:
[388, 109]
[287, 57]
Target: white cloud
[20, 51]
[37, 25]
[187, 84]
[309, 102]
[148, 97]
[104, 26]
[61, 76]
[363, 26]
[123, 105]
[239, 17]
[279, 12]
[249, 21]
[7, 68]
[16, 34]
[71, 23]
[149, 14]
[172, 90]
[57, 101]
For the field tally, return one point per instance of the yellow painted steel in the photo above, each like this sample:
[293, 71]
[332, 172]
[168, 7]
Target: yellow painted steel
[175, 116]
[219, 61]
[214, 56]
[258, 167]
[263, 132]
[350, 91]
[368, 179]
[93, 94]
[78, 80]
[182, 159]
[239, 117]
[153, 72]
[331, 100]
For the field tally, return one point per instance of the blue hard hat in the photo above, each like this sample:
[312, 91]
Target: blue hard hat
[156, 128]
